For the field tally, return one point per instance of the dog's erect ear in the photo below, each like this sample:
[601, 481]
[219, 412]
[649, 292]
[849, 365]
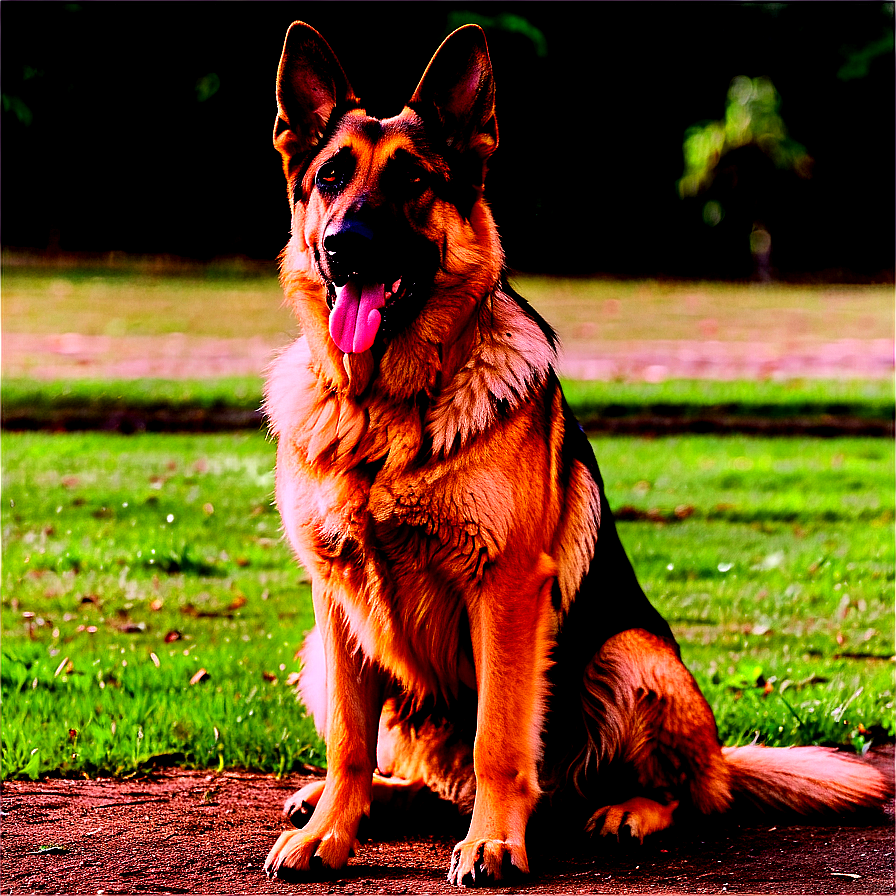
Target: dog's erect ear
[310, 83]
[458, 82]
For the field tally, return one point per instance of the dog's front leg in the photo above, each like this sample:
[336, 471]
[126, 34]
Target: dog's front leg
[353, 708]
[511, 624]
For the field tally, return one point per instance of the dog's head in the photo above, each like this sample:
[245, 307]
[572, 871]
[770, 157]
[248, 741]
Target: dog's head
[388, 213]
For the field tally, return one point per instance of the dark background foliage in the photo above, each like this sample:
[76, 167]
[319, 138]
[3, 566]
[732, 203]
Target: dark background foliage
[146, 127]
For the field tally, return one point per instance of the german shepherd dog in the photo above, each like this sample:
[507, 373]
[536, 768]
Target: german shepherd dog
[479, 628]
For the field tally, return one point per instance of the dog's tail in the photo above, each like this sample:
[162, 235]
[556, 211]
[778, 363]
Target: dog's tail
[806, 780]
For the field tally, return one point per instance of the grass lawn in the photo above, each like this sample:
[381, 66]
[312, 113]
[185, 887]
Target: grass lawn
[863, 399]
[128, 302]
[220, 301]
[151, 612]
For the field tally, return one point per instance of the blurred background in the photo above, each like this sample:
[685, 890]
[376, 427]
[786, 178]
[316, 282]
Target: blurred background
[711, 140]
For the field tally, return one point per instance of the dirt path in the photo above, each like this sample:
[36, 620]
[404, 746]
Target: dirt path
[194, 832]
[72, 355]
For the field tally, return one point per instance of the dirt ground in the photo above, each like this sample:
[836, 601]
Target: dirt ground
[195, 832]
[72, 355]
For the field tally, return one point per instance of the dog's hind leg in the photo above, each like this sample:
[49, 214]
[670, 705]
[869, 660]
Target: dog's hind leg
[635, 819]
[412, 754]
[432, 753]
[644, 710]
[386, 790]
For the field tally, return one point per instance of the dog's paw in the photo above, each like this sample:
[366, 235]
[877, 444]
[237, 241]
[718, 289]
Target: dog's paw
[631, 821]
[480, 863]
[298, 852]
[299, 807]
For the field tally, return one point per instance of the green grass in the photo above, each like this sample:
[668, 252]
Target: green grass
[866, 399]
[138, 299]
[772, 559]
[794, 398]
[774, 562]
[233, 391]
[144, 302]
[97, 404]
[118, 546]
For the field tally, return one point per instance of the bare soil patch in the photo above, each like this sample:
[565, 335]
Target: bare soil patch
[195, 832]
[176, 355]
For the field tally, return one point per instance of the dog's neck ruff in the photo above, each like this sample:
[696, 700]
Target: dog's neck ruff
[511, 358]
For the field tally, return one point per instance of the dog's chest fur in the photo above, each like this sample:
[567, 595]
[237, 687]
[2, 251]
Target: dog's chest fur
[370, 499]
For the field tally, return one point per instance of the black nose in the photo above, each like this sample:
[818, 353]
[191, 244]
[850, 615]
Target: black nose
[350, 249]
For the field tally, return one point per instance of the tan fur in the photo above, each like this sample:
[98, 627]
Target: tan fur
[806, 780]
[647, 711]
[432, 754]
[449, 517]
[574, 546]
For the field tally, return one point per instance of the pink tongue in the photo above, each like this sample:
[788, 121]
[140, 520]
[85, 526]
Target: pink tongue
[355, 317]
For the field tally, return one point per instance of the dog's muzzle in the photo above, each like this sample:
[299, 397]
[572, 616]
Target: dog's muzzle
[358, 268]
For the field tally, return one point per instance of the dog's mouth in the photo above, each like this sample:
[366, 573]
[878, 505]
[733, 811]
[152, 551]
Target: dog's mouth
[357, 310]
[363, 310]
[375, 291]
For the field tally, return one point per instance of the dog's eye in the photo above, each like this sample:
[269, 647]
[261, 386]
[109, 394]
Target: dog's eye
[415, 178]
[404, 176]
[410, 180]
[328, 175]
[333, 174]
